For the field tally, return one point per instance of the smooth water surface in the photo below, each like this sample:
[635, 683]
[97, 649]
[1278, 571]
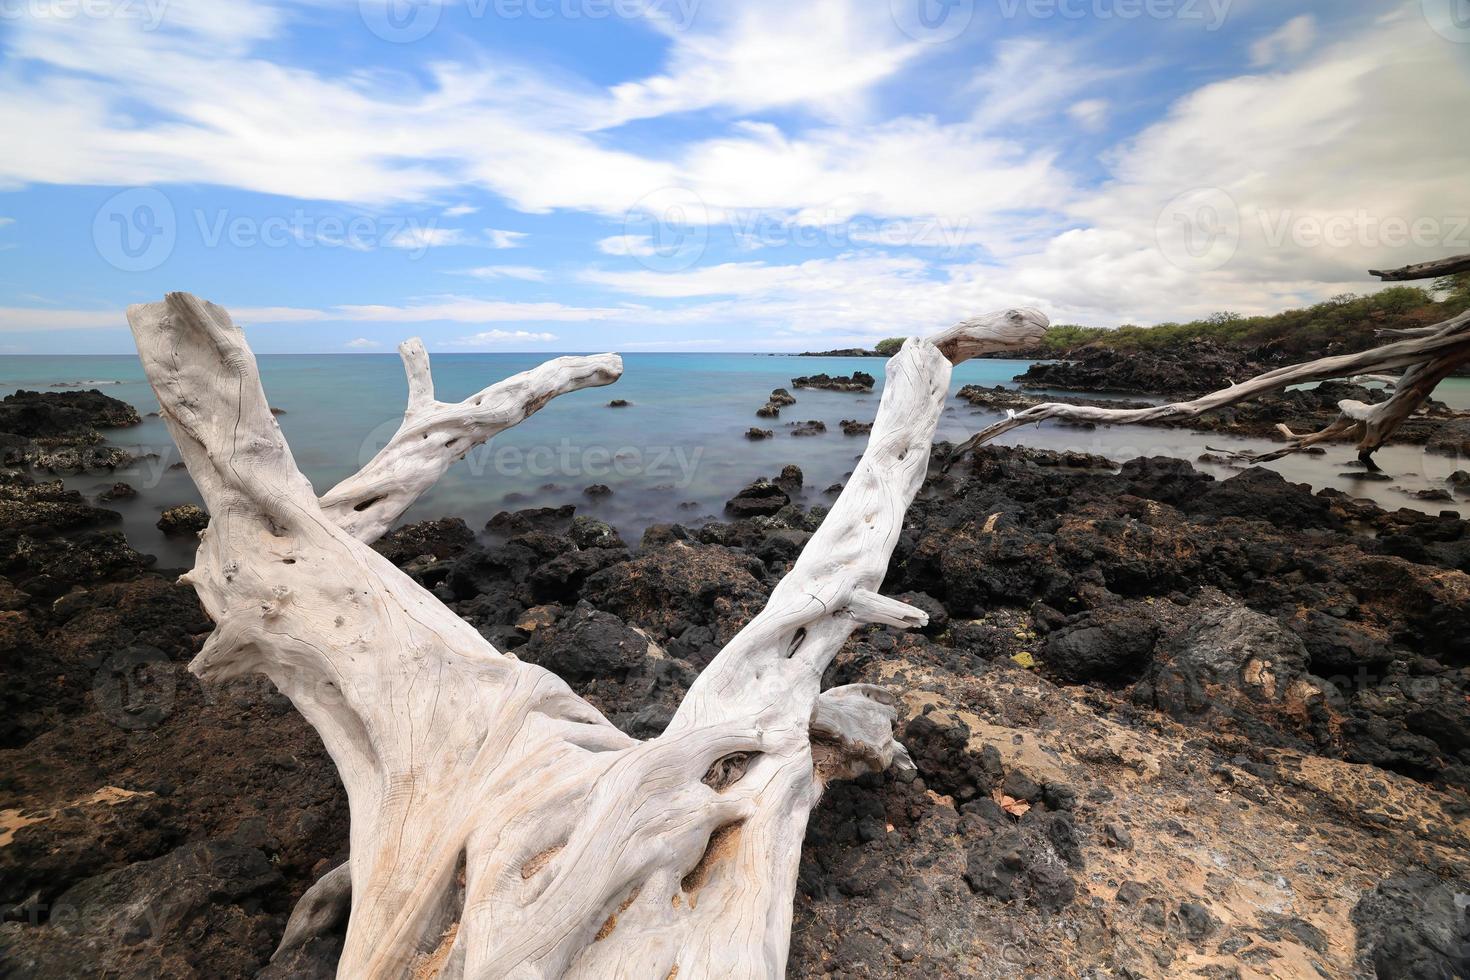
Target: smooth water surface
[676, 454]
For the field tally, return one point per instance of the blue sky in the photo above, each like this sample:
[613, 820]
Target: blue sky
[702, 175]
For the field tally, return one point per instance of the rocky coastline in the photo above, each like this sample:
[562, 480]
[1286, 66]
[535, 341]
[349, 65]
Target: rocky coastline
[1153, 713]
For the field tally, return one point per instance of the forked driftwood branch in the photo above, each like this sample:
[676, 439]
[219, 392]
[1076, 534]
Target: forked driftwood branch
[1426, 356]
[501, 826]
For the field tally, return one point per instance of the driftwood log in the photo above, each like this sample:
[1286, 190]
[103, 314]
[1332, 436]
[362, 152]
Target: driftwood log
[1426, 355]
[500, 826]
[1425, 270]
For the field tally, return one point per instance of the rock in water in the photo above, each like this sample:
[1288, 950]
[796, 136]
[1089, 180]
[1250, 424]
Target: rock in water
[754, 434]
[183, 520]
[588, 532]
[860, 381]
[790, 479]
[761, 499]
[63, 415]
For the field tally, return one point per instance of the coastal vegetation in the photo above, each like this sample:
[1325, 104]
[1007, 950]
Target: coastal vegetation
[1343, 323]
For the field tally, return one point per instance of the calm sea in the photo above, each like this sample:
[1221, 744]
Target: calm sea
[676, 454]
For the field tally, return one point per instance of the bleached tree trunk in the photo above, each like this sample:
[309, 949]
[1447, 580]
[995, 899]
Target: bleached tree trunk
[500, 826]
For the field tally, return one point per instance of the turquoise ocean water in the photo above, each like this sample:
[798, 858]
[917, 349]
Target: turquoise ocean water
[676, 454]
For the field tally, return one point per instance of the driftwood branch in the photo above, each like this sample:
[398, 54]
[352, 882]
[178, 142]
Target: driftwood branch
[1426, 358]
[501, 827]
[1425, 270]
[435, 435]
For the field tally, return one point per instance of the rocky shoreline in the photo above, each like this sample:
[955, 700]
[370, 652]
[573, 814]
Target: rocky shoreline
[1165, 725]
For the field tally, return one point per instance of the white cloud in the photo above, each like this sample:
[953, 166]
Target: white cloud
[500, 238]
[631, 245]
[764, 54]
[1291, 39]
[420, 238]
[815, 277]
[1090, 114]
[525, 272]
[459, 211]
[491, 338]
[460, 309]
[362, 343]
[6, 221]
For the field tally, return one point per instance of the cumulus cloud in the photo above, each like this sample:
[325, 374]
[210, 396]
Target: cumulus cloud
[362, 343]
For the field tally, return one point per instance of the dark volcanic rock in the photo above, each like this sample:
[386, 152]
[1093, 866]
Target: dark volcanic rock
[184, 520]
[57, 417]
[781, 397]
[441, 539]
[1188, 369]
[532, 519]
[1102, 648]
[588, 532]
[809, 428]
[791, 478]
[45, 507]
[598, 490]
[761, 499]
[118, 491]
[859, 381]
[770, 410]
[619, 403]
[850, 427]
[1244, 666]
[691, 596]
[1028, 863]
[1415, 927]
[755, 434]
[588, 645]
